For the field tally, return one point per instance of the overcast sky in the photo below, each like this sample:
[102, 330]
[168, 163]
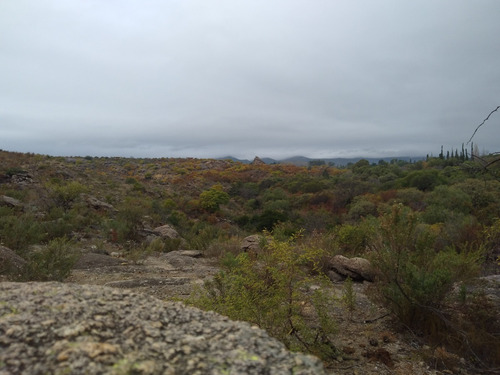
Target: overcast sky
[273, 78]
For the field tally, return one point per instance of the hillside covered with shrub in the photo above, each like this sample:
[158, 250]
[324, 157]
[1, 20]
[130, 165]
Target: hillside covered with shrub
[428, 227]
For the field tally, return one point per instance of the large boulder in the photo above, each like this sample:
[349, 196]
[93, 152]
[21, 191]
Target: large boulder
[10, 202]
[251, 243]
[54, 328]
[166, 231]
[340, 267]
[97, 204]
[10, 262]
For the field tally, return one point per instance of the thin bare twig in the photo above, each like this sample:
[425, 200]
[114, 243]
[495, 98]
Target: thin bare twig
[481, 124]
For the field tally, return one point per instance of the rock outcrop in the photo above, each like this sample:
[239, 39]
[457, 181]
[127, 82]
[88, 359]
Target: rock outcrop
[54, 328]
[257, 161]
[98, 204]
[9, 261]
[340, 267]
[166, 231]
[10, 202]
[251, 243]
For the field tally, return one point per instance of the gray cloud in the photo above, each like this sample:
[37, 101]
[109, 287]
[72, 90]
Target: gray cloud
[206, 79]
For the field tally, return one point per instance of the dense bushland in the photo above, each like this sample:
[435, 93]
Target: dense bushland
[426, 226]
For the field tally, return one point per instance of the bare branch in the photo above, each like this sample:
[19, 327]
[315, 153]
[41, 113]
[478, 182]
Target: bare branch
[481, 124]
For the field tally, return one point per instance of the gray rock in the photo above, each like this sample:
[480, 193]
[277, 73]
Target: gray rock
[335, 276]
[251, 243]
[11, 202]
[93, 260]
[54, 328]
[22, 179]
[97, 204]
[10, 261]
[356, 268]
[136, 283]
[166, 231]
[187, 253]
[178, 260]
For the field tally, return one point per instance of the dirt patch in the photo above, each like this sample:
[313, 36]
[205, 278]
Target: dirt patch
[163, 276]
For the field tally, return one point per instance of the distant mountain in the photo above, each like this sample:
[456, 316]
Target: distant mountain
[339, 162]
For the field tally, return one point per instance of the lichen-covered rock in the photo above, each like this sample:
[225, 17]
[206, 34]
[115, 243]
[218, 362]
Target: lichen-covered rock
[54, 328]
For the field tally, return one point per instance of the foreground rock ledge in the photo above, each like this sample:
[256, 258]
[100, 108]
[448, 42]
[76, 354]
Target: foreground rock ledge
[80, 329]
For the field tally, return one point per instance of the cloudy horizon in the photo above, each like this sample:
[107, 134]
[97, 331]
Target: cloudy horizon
[279, 78]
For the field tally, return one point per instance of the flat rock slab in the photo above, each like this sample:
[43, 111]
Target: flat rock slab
[93, 260]
[54, 328]
[137, 283]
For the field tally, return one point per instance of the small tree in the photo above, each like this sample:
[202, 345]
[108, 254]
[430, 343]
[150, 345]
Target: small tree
[211, 199]
[271, 291]
[53, 262]
[414, 279]
[65, 194]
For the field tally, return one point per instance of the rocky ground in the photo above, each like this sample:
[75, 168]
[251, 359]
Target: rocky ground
[366, 336]
[55, 328]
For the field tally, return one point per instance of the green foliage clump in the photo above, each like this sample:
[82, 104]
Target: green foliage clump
[14, 171]
[202, 235]
[211, 199]
[414, 278]
[270, 289]
[353, 239]
[65, 194]
[424, 180]
[52, 263]
[128, 221]
[349, 295]
[17, 232]
[361, 207]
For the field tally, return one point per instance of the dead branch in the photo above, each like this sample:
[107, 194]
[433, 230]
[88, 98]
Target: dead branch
[481, 124]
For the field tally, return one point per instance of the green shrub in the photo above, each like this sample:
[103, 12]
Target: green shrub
[15, 171]
[64, 195]
[414, 278]
[18, 232]
[202, 235]
[360, 208]
[219, 248]
[270, 290]
[424, 180]
[268, 219]
[411, 197]
[349, 295]
[53, 262]
[211, 199]
[128, 221]
[137, 254]
[353, 239]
